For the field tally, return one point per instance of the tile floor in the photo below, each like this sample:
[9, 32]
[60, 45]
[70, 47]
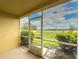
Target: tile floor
[18, 53]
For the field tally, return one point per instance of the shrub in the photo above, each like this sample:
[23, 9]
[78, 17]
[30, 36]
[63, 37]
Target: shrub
[68, 38]
[25, 37]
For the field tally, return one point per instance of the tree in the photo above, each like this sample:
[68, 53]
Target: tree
[33, 27]
[72, 28]
[26, 27]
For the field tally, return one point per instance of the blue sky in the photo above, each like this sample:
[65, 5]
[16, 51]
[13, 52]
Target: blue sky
[70, 16]
[58, 17]
[71, 6]
[35, 15]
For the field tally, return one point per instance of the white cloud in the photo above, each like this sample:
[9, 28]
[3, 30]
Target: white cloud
[70, 12]
[73, 0]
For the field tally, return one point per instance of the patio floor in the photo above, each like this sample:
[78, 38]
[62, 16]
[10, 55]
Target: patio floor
[22, 53]
[18, 53]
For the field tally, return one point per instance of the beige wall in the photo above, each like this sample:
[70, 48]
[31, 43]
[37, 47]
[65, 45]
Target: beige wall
[9, 32]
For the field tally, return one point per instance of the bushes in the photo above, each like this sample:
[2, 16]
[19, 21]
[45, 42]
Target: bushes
[25, 37]
[69, 38]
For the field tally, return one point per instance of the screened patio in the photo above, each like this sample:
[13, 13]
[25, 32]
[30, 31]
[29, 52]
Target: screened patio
[45, 26]
[38, 29]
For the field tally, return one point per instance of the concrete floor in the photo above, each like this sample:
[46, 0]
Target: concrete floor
[18, 53]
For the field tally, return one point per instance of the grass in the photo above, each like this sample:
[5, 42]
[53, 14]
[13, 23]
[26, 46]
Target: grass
[47, 36]
[46, 43]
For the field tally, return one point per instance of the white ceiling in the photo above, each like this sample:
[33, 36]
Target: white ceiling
[22, 7]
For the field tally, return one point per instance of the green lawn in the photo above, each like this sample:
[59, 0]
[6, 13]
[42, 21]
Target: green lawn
[45, 43]
[47, 35]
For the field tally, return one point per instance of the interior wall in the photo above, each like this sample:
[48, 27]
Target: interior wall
[9, 32]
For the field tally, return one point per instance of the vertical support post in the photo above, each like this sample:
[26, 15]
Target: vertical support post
[29, 34]
[42, 32]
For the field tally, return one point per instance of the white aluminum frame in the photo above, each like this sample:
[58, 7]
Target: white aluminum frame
[41, 32]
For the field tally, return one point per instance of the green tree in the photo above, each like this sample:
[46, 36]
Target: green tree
[33, 27]
[26, 27]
